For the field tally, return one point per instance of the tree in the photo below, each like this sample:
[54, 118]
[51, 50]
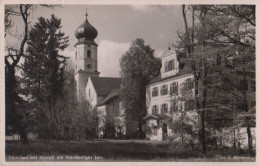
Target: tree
[193, 45]
[184, 123]
[16, 118]
[138, 66]
[225, 31]
[43, 68]
[234, 27]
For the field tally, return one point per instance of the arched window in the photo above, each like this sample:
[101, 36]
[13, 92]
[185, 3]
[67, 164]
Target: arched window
[88, 53]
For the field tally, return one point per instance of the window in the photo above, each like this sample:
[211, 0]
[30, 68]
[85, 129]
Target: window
[189, 83]
[88, 53]
[88, 93]
[155, 91]
[174, 88]
[169, 65]
[252, 85]
[174, 107]
[76, 54]
[189, 105]
[155, 109]
[164, 108]
[89, 66]
[164, 90]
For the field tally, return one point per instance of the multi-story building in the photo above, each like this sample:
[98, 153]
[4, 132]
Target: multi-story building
[164, 95]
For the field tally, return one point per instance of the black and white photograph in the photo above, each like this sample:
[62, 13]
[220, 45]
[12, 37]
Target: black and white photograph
[129, 83]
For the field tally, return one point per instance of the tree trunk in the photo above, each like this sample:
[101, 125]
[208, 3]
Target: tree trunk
[249, 137]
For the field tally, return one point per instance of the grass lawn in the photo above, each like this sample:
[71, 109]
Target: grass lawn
[114, 150]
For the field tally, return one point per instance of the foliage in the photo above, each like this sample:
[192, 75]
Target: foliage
[184, 124]
[138, 66]
[220, 42]
[16, 118]
[73, 120]
[43, 69]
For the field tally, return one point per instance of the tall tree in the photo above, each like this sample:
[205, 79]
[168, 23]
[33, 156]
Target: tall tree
[43, 68]
[234, 27]
[138, 66]
[229, 28]
[193, 45]
[15, 118]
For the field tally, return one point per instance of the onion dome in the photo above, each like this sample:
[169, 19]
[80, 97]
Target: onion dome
[86, 33]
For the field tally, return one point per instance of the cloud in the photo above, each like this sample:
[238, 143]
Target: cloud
[109, 54]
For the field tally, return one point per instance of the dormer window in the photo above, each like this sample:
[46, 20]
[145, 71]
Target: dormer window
[169, 65]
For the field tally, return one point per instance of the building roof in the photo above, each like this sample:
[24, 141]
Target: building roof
[184, 70]
[86, 33]
[113, 94]
[157, 116]
[104, 85]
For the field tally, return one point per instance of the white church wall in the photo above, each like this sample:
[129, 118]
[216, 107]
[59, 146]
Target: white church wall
[91, 94]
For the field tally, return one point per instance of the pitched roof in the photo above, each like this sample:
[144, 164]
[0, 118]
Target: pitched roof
[104, 85]
[113, 94]
[184, 70]
[157, 116]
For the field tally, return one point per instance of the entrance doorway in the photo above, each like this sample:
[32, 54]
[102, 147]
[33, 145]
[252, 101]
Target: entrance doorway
[164, 132]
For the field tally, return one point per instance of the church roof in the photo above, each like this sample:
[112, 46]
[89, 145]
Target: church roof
[113, 94]
[104, 85]
[86, 33]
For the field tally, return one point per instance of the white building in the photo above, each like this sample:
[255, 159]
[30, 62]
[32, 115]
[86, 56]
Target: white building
[163, 94]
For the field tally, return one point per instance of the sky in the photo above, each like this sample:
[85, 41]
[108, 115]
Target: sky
[117, 26]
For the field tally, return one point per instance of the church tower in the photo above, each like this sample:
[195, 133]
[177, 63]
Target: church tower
[85, 56]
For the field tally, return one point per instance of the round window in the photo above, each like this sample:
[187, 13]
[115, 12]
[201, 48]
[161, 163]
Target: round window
[89, 66]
